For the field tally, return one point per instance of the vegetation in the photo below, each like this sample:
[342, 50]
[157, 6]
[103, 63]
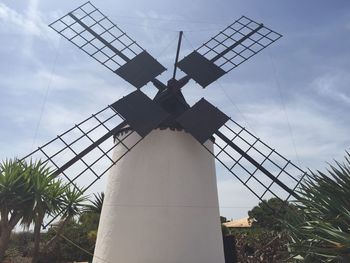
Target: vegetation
[73, 202]
[74, 239]
[29, 191]
[15, 199]
[315, 228]
[265, 241]
[268, 214]
[75, 236]
[320, 231]
[317, 224]
[95, 205]
[46, 198]
[260, 245]
[73, 243]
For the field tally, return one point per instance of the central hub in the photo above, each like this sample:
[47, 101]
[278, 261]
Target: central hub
[173, 102]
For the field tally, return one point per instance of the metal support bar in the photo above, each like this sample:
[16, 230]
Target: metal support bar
[256, 164]
[237, 43]
[159, 85]
[177, 53]
[119, 53]
[89, 149]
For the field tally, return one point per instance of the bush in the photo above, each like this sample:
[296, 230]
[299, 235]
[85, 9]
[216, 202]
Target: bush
[260, 245]
[65, 251]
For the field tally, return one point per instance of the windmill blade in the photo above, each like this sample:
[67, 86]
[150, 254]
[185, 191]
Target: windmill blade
[264, 171]
[95, 34]
[83, 154]
[227, 50]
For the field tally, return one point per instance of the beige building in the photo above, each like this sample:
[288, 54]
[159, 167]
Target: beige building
[238, 223]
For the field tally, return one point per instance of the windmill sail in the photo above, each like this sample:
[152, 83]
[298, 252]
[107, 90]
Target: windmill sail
[83, 154]
[94, 33]
[264, 171]
[227, 50]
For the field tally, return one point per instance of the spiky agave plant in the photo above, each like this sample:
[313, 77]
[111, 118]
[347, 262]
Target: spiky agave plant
[91, 215]
[95, 205]
[320, 231]
[73, 204]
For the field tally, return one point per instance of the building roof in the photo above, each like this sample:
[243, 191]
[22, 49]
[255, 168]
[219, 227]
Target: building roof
[243, 222]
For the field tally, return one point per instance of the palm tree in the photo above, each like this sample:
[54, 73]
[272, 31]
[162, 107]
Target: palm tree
[47, 193]
[72, 205]
[15, 199]
[28, 193]
[320, 229]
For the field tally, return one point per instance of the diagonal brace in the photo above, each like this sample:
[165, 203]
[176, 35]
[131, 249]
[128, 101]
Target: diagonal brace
[237, 43]
[105, 42]
[256, 164]
[89, 149]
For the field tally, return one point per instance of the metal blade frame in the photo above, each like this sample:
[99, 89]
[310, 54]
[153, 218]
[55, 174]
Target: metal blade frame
[287, 176]
[82, 152]
[237, 43]
[94, 33]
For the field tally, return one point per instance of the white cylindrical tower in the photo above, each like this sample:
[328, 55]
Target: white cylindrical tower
[161, 204]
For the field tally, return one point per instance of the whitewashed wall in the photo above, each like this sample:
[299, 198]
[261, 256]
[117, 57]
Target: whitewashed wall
[161, 204]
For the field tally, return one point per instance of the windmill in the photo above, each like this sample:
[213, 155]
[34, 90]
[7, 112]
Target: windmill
[161, 196]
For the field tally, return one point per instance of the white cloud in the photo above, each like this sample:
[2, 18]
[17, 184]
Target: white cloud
[13, 20]
[28, 26]
[318, 137]
[334, 85]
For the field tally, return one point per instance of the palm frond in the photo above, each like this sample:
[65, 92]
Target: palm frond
[321, 228]
[95, 205]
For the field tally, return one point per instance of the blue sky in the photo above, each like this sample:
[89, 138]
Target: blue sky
[294, 95]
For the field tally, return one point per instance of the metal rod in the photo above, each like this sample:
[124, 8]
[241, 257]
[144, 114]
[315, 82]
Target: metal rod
[237, 43]
[105, 42]
[256, 164]
[177, 53]
[159, 85]
[89, 149]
